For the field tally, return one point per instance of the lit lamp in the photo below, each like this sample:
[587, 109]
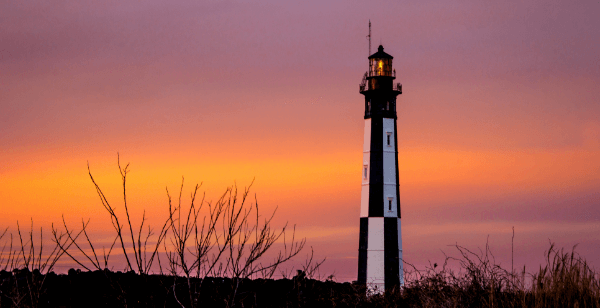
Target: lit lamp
[380, 63]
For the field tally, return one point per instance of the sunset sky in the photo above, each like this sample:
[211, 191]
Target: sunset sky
[498, 125]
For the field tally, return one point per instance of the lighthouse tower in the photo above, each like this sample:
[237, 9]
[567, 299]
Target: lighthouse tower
[380, 264]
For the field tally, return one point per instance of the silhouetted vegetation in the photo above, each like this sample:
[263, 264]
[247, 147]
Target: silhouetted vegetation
[222, 254]
[565, 281]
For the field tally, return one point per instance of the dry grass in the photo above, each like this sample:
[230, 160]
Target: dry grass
[566, 280]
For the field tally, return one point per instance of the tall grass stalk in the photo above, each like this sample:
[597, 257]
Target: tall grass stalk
[566, 280]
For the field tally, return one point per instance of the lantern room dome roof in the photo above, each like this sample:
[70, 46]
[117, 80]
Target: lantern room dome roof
[380, 54]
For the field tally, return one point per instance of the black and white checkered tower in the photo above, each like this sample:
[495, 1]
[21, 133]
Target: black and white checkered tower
[380, 244]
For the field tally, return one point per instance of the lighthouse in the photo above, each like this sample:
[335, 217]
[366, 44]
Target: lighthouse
[380, 264]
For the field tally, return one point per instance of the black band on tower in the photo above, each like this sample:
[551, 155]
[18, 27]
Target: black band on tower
[390, 241]
[363, 243]
[376, 174]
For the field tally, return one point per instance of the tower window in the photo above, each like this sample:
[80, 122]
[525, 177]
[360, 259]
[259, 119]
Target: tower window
[365, 173]
[390, 203]
[387, 107]
[389, 139]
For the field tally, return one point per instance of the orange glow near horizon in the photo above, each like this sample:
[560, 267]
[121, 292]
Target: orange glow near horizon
[65, 188]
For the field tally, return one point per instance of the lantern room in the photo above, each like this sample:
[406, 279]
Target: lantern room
[381, 74]
[380, 64]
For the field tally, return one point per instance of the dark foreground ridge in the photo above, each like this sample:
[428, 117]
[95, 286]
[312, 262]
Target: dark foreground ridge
[117, 289]
[565, 281]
